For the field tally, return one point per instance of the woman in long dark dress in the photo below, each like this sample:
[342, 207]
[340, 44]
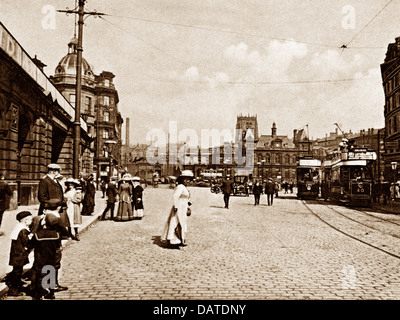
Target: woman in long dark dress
[88, 199]
[137, 203]
[125, 191]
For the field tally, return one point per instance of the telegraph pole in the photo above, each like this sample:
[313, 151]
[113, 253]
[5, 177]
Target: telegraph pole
[77, 121]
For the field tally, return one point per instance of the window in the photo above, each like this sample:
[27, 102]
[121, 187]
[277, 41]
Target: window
[72, 99]
[395, 124]
[106, 116]
[106, 100]
[105, 134]
[88, 105]
[106, 82]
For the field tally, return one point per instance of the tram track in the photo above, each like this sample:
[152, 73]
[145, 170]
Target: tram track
[357, 230]
[395, 232]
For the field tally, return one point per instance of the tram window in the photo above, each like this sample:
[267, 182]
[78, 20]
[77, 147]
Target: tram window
[359, 174]
[315, 174]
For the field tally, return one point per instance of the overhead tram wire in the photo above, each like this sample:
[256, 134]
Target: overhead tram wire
[238, 32]
[346, 46]
[298, 82]
[149, 44]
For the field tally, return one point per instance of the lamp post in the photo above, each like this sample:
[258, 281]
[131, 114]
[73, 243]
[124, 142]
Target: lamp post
[262, 169]
[258, 169]
[109, 144]
[394, 168]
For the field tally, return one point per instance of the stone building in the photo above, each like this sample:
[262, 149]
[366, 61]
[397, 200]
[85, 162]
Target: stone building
[99, 108]
[390, 70]
[276, 156]
[36, 123]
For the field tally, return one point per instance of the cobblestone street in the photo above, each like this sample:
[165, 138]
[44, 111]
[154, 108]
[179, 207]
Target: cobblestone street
[245, 252]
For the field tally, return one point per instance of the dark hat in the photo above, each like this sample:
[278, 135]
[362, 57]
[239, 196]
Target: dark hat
[23, 214]
[51, 219]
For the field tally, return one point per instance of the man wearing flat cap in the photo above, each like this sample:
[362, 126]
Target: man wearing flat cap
[51, 198]
[50, 193]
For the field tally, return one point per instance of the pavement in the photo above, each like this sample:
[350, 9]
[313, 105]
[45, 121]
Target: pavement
[9, 221]
[246, 252]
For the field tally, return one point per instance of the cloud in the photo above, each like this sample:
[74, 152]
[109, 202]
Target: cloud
[332, 64]
[191, 74]
[270, 64]
[240, 54]
[218, 78]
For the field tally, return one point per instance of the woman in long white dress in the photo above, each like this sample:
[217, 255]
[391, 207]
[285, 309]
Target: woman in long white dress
[175, 229]
[73, 196]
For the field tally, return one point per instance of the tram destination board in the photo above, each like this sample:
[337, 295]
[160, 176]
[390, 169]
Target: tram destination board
[368, 155]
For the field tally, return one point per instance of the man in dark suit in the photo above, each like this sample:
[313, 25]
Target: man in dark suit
[111, 193]
[51, 198]
[269, 191]
[50, 193]
[5, 191]
[257, 190]
[227, 187]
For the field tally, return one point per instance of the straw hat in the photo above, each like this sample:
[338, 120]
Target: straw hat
[53, 166]
[187, 173]
[126, 177]
[73, 181]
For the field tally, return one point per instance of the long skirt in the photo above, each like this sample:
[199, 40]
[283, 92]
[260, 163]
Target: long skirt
[124, 212]
[173, 231]
[137, 208]
[74, 215]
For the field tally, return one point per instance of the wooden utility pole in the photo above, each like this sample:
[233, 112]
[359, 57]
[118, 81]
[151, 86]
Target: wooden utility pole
[78, 90]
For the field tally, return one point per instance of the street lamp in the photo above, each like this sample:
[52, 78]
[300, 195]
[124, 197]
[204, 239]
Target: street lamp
[394, 167]
[262, 169]
[109, 144]
[258, 169]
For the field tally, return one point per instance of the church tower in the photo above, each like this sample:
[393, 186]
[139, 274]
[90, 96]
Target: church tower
[248, 126]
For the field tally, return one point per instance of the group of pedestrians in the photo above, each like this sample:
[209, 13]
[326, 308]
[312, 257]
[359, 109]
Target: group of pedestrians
[270, 190]
[128, 193]
[59, 213]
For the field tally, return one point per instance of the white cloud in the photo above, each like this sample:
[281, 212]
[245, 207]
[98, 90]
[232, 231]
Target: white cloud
[218, 78]
[333, 64]
[240, 54]
[191, 74]
[271, 64]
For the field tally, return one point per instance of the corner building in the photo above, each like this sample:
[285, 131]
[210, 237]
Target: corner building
[99, 108]
[36, 123]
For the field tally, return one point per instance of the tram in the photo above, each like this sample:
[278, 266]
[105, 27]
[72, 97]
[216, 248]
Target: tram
[347, 178]
[308, 181]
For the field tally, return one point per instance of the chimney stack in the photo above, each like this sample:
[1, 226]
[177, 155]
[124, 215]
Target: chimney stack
[127, 142]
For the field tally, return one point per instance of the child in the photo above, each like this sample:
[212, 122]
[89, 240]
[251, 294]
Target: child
[46, 242]
[20, 248]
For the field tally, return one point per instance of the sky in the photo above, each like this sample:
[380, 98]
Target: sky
[201, 63]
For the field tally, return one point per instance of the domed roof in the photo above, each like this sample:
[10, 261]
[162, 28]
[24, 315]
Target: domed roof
[67, 64]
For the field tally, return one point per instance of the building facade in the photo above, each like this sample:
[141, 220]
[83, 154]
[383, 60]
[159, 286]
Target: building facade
[99, 108]
[36, 123]
[390, 71]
